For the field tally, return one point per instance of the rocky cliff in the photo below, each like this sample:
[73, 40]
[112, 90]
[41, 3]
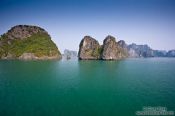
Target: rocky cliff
[27, 42]
[123, 45]
[111, 50]
[89, 49]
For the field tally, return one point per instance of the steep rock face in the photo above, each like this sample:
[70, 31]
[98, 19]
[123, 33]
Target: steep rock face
[27, 42]
[123, 45]
[111, 50]
[23, 31]
[89, 49]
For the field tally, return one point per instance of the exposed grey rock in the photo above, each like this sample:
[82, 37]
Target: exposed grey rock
[31, 56]
[89, 49]
[23, 31]
[111, 50]
[8, 56]
[122, 44]
[28, 56]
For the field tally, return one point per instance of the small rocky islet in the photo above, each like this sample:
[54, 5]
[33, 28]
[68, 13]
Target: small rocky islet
[90, 49]
[28, 42]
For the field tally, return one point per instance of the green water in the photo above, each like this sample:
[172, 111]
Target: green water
[86, 88]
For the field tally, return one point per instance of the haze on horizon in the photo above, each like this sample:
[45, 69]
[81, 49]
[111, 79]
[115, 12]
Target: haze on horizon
[149, 22]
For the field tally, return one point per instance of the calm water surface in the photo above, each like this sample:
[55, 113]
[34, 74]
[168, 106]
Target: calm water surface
[86, 88]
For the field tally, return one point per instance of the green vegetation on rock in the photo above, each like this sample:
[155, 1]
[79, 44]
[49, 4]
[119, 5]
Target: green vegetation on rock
[97, 52]
[39, 44]
[89, 49]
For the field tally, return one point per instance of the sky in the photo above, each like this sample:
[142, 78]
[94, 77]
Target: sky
[149, 22]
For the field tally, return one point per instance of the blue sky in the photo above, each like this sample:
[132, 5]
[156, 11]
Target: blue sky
[149, 22]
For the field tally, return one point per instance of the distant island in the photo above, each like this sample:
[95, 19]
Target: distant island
[28, 42]
[69, 55]
[145, 51]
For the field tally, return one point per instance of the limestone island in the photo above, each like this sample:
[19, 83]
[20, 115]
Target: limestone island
[90, 49]
[27, 42]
